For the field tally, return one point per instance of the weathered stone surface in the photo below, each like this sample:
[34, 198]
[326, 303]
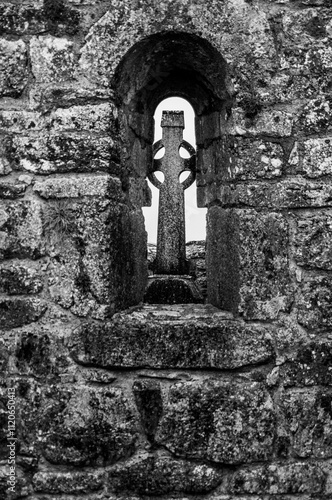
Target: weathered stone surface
[316, 114]
[314, 304]
[21, 19]
[220, 421]
[5, 168]
[92, 276]
[312, 241]
[11, 191]
[182, 336]
[64, 152]
[122, 26]
[21, 233]
[158, 475]
[289, 334]
[297, 193]
[21, 120]
[83, 185]
[64, 94]
[52, 59]
[38, 17]
[4, 357]
[18, 312]
[267, 122]
[317, 157]
[195, 252]
[255, 159]
[21, 489]
[68, 482]
[19, 279]
[40, 351]
[247, 262]
[84, 426]
[308, 422]
[148, 398]
[13, 67]
[263, 253]
[280, 479]
[94, 118]
[310, 365]
[61, 18]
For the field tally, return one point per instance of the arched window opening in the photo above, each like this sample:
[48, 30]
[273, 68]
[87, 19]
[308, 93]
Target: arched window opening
[158, 67]
[195, 217]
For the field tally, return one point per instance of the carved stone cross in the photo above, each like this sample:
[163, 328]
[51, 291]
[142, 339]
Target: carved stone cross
[171, 241]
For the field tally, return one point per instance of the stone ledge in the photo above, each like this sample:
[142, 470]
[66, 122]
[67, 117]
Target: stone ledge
[180, 336]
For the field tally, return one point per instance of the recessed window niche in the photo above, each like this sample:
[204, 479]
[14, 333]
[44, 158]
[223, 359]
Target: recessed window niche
[185, 66]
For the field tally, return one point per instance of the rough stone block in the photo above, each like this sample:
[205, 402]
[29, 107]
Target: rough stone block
[224, 422]
[268, 122]
[208, 128]
[213, 162]
[21, 231]
[10, 191]
[52, 59]
[310, 365]
[61, 18]
[299, 193]
[312, 241]
[84, 426]
[18, 312]
[19, 279]
[13, 67]
[21, 19]
[102, 267]
[280, 479]
[315, 116]
[148, 398]
[22, 487]
[255, 159]
[158, 475]
[68, 482]
[40, 352]
[314, 304]
[65, 94]
[181, 336]
[307, 421]
[94, 118]
[21, 121]
[64, 152]
[247, 262]
[82, 185]
[317, 154]
[39, 17]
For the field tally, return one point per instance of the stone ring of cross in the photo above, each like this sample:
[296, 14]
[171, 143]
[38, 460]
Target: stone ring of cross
[189, 164]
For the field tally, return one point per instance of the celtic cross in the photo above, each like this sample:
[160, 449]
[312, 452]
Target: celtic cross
[171, 243]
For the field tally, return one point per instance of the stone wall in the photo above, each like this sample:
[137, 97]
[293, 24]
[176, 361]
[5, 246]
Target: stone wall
[226, 400]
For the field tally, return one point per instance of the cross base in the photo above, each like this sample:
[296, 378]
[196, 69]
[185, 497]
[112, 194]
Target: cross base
[172, 289]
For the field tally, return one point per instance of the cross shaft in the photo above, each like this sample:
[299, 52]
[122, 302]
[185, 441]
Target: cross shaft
[171, 244]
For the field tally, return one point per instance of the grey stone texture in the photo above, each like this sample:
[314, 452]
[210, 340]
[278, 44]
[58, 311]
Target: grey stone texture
[187, 336]
[116, 399]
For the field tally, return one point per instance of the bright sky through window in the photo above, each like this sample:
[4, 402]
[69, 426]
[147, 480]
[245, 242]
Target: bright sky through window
[195, 217]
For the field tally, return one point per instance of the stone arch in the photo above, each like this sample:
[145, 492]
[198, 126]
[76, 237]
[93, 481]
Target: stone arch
[172, 64]
[169, 64]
